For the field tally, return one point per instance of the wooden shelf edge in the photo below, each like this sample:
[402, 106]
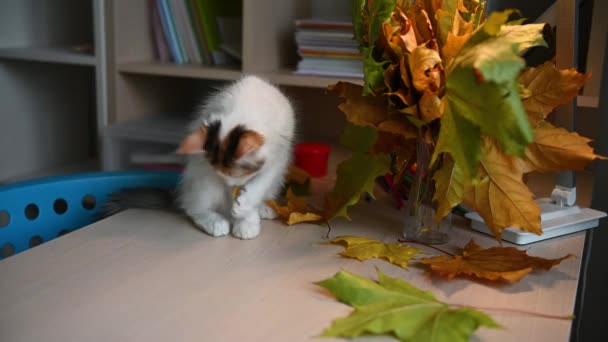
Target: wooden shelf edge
[188, 70]
[281, 77]
[58, 55]
[289, 78]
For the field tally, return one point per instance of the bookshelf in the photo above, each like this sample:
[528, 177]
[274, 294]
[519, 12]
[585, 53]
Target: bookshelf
[149, 100]
[52, 86]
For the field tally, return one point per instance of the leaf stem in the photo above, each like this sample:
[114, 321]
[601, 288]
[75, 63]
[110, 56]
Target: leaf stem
[426, 245]
[522, 312]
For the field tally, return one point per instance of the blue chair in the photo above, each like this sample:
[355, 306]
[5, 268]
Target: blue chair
[36, 211]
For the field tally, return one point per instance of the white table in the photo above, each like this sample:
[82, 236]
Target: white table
[150, 276]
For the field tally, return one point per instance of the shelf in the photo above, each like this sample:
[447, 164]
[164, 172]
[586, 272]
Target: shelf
[187, 70]
[61, 55]
[160, 129]
[288, 78]
[283, 77]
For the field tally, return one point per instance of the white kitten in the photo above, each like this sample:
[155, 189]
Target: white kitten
[242, 137]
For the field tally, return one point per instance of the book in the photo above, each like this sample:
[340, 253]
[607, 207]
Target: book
[326, 47]
[160, 39]
[182, 30]
[198, 32]
[169, 26]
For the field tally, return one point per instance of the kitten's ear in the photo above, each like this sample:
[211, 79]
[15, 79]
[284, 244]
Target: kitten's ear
[193, 142]
[250, 141]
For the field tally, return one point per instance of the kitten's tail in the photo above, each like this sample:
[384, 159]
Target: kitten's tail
[141, 198]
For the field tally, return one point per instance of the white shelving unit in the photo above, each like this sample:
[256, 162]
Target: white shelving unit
[143, 91]
[52, 86]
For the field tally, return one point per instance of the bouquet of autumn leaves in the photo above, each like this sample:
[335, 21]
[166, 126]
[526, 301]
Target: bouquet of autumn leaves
[449, 92]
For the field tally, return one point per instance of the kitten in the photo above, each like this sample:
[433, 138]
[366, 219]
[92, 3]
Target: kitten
[242, 138]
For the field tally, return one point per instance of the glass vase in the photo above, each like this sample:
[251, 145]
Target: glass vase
[420, 224]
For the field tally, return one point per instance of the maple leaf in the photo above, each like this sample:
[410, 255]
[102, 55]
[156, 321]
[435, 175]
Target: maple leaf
[371, 111]
[449, 187]
[362, 248]
[399, 34]
[421, 23]
[547, 87]
[453, 45]
[501, 198]
[393, 306]
[482, 88]
[555, 149]
[445, 18]
[295, 211]
[496, 263]
[357, 175]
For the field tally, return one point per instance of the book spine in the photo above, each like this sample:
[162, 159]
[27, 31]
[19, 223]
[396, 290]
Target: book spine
[208, 15]
[198, 31]
[164, 16]
[174, 33]
[184, 30]
[157, 30]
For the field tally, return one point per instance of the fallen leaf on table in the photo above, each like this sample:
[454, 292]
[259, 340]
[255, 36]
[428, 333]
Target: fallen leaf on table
[362, 248]
[393, 306]
[497, 263]
[295, 211]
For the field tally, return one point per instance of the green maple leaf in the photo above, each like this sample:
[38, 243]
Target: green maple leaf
[373, 72]
[356, 175]
[482, 89]
[358, 138]
[368, 17]
[358, 7]
[393, 306]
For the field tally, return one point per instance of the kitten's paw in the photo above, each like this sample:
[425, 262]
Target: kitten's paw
[213, 224]
[248, 228]
[266, 212]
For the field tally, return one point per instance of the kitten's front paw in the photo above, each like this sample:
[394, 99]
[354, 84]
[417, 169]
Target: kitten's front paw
[213, 224]
[248, 228]
[266, 212]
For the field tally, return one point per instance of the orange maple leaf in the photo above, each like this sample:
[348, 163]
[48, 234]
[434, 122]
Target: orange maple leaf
[496, 263]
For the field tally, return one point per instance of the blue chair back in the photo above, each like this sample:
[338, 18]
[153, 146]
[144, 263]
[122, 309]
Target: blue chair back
[36, 211]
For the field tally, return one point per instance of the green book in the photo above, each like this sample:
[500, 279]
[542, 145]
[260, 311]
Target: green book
[199, 34]
[208, 11]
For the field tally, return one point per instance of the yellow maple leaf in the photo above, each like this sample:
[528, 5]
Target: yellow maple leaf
[555, 149]
[500, 197]
[453, 46]
[497, 263]
[362, 248]
[449, 187]
[547, 87]
[295, 211]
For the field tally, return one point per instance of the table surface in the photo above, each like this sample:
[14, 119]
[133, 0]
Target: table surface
[151, 276]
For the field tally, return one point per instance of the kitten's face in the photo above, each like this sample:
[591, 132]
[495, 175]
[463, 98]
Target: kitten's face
[235, 156]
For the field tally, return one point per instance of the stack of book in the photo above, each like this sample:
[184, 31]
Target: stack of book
[196, 31]
[327, 47]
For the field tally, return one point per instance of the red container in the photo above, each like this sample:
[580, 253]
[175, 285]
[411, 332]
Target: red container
[312, 157]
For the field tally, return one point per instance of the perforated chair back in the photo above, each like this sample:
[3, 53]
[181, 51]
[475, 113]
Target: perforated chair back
[36, 211]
